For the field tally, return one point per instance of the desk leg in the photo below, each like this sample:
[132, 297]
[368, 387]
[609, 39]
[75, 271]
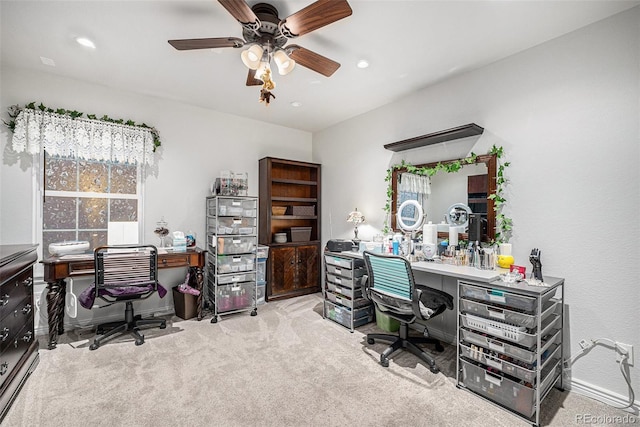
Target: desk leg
[56, 292]
[199, 282]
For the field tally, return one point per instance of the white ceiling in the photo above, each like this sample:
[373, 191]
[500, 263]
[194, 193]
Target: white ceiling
[410, 45]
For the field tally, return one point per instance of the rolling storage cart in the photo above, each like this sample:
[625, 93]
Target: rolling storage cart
[510, 343]
[343, 299]
[232, 240]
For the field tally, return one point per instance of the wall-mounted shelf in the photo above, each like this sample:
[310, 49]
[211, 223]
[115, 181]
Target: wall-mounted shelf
[459, 132]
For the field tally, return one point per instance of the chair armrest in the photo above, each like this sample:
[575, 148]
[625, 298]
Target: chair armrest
[364, 285]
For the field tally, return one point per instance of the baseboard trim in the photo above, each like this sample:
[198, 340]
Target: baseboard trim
[603, 395]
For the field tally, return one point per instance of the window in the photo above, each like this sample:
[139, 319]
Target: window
[84, 199]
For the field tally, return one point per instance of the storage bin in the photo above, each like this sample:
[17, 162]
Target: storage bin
[337, 261]
[344, 281]
[343, 315]
[300, 234]
[261, 291]
[185, 305]
[502, 347]
[234, 207]
[348, 292]
[517, 334]
[236, 278]
[343, 300]
[505, 315]
[262, 252]
[236, 245]
[230, 225]
[303, 210]
[235, 263]
[345, 272]
[511, 394]
[261, 270]
[235, 297]
[386, 323]
[496, 296]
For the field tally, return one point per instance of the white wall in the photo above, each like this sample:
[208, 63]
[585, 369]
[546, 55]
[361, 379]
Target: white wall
[196, 145]
[567, 114]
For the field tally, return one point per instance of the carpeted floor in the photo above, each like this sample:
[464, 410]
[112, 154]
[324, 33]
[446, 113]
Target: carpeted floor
[287, 366]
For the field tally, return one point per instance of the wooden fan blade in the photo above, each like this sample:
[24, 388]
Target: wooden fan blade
[240, 10]
[316, 15]
[251, 79]
[313, 61]
[190, 44]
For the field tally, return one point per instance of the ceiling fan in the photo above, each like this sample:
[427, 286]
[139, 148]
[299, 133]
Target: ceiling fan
[267, 35]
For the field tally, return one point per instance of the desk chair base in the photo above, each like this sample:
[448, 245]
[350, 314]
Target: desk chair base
[130, 326]
[404, 341]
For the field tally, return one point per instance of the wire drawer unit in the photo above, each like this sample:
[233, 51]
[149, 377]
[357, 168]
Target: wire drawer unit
[510, 343]
[343, 299]
[232, 241]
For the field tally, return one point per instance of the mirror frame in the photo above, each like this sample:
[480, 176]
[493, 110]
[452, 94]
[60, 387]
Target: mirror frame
[491, 160]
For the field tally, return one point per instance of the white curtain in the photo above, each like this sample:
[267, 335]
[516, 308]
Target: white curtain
[412, 183]
[60, 135]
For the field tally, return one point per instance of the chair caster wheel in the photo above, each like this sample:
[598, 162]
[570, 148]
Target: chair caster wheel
[254, 312]
[434, 369]
[214, 319]
[100, 331]
[384, 362]
[370, 341]
[93, 346]
[439, 348]
[139, 342]
[163, 326]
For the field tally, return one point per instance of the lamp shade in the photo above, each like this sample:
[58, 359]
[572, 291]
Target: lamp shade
[284, 63]
[252, 56]
[356, 217]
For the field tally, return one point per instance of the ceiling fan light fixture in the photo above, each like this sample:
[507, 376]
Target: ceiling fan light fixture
[252, 56]
[284, 63]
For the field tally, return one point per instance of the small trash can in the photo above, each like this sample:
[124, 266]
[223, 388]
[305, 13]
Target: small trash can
[386, 323]
[185, 305]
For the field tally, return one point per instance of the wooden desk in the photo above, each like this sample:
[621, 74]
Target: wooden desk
[57, 269]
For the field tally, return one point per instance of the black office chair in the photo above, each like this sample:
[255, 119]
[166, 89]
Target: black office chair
[124, 274]
[390, 285]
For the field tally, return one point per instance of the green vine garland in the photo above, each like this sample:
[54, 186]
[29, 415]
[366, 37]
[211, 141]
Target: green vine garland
[504, 224]
[14, 110]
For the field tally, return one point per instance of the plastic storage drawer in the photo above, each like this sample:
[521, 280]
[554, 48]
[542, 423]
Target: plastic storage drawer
[517, 334]
[235, 263]
[347, 302]
[234, 207]
[520, 302]
[236, 245]
[261, 270]
[235, 297]
[526, 372]
[338, 262]
[511, 394]
[342, 281]
[343, 315]
[505, 315]
[348, 292]
[260, 293]
[227, 225]
[345, 272]
[511, 350]
[236, 278]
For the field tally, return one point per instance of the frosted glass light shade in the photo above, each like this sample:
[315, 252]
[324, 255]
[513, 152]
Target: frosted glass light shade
[252, 56]
[284, 63]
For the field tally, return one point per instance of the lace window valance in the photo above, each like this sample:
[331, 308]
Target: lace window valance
[61, 135]
[412, 183]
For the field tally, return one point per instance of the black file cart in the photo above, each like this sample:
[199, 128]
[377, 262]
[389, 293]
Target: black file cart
[232, 241]
[510, 343]
[343, 299]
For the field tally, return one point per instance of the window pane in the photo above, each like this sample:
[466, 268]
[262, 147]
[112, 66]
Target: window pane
[95, 238]
[92, 213]
[59, 213]
[93, 177]
[60, 174]
[124, 179]
[123, 210]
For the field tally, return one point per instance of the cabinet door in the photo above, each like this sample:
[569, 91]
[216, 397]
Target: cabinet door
[283, 270]
[307, 262]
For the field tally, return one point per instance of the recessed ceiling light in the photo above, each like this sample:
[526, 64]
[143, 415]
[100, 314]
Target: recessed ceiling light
[47, 61]
[85, 42]
[296, 104]
[363, 63]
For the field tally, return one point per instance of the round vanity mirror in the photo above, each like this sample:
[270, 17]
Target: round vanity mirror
[458, 215]
[410, 215]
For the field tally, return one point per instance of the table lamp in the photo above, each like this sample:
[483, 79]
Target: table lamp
[356, 218]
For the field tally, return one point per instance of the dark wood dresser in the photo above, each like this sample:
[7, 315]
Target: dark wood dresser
[18, 346]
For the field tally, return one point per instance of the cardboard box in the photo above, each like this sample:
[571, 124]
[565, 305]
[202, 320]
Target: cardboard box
[185, 305]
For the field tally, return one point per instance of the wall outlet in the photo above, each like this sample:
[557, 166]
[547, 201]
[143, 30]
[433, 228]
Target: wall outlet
[629, 349]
